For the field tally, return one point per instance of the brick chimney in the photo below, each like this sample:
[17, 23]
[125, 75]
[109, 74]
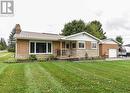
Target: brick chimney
[17, 28]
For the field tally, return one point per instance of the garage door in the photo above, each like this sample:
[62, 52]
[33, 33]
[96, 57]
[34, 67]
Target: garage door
[112, 53]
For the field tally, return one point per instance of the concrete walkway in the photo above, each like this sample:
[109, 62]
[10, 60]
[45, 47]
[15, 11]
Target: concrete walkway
[1, 51]
[4, 55]
[123, 58]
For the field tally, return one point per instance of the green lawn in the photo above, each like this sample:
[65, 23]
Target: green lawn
[64, 77]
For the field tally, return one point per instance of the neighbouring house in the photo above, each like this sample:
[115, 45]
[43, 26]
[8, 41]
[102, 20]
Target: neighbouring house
[78, 45]
[109, 48]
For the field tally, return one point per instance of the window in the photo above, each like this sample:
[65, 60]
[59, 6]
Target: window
[67, 45]
[38, 47]
[73, 45]
[41, 48]
[32, 47]
[81, 45]
[94, 45]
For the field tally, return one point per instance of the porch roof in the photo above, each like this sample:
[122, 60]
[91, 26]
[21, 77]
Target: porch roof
[81, 33]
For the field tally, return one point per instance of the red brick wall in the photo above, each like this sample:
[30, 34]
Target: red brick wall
[22, 49]
[104, 49]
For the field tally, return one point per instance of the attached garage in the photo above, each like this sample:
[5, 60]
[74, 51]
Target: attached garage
[108, 48]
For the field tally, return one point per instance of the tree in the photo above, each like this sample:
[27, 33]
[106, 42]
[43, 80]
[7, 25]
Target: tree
[73, 27]
[11, 42]
[119, 39]
[3, 45]
[1, 48]
[95, 28]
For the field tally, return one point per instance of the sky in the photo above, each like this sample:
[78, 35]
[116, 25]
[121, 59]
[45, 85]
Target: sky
[49, 16]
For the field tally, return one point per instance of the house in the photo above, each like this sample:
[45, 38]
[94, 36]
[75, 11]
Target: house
[42, 45]
[109, 48]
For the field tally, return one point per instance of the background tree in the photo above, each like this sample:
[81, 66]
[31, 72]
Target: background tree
[73, 27]
[119, 39]
[3, 45]
[11, 41]
[1, 48]
[94, 28]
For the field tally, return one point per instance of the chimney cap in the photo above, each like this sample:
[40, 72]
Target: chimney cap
[17, 24]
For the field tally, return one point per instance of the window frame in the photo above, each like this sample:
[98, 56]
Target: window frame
[81, 42]
[41, 42]
[92, 45]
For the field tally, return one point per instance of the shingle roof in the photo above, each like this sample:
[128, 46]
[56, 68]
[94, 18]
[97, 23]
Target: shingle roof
[45, 36]
[37, 36]
[110, 39]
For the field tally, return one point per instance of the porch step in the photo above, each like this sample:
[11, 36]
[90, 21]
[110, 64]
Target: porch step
[69, 58]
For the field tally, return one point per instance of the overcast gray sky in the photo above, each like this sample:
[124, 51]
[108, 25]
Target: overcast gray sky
[51, 15]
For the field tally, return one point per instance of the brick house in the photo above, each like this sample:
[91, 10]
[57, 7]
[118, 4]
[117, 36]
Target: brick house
[44, 44]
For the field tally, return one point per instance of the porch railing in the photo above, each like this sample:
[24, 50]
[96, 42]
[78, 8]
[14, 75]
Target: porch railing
[64, 52]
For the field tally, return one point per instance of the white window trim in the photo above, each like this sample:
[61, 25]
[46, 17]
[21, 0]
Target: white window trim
[41, 42]
[81, 42]
[92, 45]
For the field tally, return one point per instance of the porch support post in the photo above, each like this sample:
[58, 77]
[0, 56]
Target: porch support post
[77, 45]
[70, 50]
[60, 48]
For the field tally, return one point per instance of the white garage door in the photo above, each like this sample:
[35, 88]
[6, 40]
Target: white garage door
[112, 53]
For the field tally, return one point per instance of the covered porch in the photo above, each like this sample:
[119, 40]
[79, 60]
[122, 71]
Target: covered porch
[68, 49]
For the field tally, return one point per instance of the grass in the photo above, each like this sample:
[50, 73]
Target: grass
[64, 77]
[5, 56]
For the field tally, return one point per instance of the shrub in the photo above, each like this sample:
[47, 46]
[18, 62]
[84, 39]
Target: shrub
[51, 57]
[11, 49]
[95, 58]
[86, 55]
[32, 57]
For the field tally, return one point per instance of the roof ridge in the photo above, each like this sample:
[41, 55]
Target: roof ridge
[51, 33]
[40, 33]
